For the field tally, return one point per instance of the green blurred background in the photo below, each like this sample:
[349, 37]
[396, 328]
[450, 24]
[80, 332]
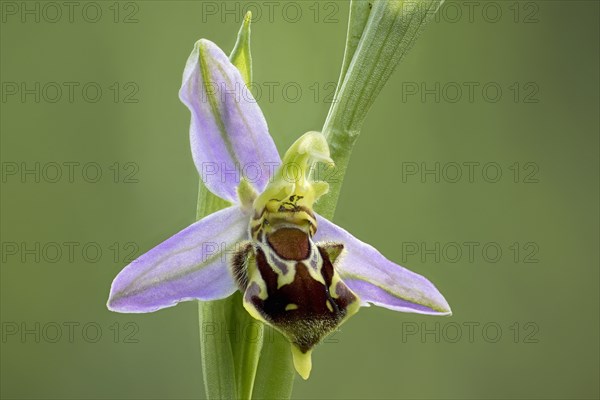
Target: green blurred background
[525, 322]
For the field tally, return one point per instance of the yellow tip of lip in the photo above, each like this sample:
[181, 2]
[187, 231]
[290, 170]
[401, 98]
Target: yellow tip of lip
[302, 362]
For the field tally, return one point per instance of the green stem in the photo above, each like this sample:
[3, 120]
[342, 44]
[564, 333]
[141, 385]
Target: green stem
[247, 345]
[230, 339]
[390, 30]
[275, 375]
[217, 353]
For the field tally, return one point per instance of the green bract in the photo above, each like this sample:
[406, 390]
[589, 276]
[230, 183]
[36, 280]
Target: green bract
[380, 33]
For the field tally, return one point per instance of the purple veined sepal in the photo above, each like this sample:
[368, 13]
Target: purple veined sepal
[228, 132]
[191, 265]
[377, 280]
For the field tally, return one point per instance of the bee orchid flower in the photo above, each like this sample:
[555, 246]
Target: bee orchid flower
[297, 271]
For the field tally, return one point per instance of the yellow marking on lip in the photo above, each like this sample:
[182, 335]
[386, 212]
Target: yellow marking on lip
[291, 307]
[286, 279]
[255, 277]
[333, 287]
[302, 362]
[254, 313]
[329, 307]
